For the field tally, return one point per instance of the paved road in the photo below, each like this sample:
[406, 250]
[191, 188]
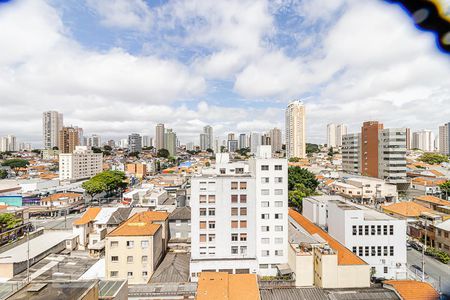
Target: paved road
[434, 268]
[55, 223]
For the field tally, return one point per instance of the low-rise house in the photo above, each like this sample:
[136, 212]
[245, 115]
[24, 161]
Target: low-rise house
[366, 189]
[427, 186]
[84, 226]
[180, 225]
[431, 201]
[406, 210]
[442, 236]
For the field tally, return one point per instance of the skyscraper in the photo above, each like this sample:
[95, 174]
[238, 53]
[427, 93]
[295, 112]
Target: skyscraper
[203, 141]
[369, 148]
[243, 141]
[147, 141]
[275, 139]
[335, 132]
[423, 140]
[341, 130]
[52, 123]
[170, 142]
[255, 141]
[444, 139]
[8, 143]
[134, 143]
[159, 136]
[295, 130]
[68, 140]
[208, 131]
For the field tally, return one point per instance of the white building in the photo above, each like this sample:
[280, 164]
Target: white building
[423, 140]
[52, 123]
[351, 153]
[335, 133]
[243, 141]
[81, 164]
[147, 141]
[208, 132]
[296, 130]
[392, 155]
[240, 216]
[255, 142]
[134, 143]
[444, 139]
[8, 143]
[275, 139]
[159, 136]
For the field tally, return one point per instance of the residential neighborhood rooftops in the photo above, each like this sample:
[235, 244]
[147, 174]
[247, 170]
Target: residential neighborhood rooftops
[406, 209]
[413, 290]
[181, 213]
[88, 216]
[345, 256]
[432, 199]
[224, 286]
[58, 196]
[140, 224]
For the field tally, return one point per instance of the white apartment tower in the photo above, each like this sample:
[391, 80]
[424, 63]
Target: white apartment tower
[159, 136]
[423, 140]
[81, 164]
[239, 216]
[275, 139]
[444, 139]
[392, 155]
[243, 141]
[351, 153]
[52, 123]
[255, 142]
[295, 130]
[8, 143]
[208, 131]
[335, 133]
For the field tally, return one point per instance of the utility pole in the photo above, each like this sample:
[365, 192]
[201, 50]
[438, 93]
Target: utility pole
[28, 254]
[423, 252]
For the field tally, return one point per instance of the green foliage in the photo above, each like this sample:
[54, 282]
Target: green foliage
[222, 149]
[301, 183]
[147, 148]
[244, 151]
[438, 254]
[96, 150]
[163, 153]
[445, 188]
[330, 152]
[209, 150]
[294, 159]
[3, 174]
[16, 164]
[37, 151]
[134, 154]
[106, 181]
[8, 221]
[55, 148]
[107, 148]
[433, 158]
[312, 148]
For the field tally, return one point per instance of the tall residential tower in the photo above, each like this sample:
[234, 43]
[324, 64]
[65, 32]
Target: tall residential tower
[296, 130]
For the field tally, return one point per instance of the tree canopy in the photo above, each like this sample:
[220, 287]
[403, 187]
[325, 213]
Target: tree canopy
[8, 220]
[164, 153]
[433, 158]
[445, 188]
[3, 174]
[294, 159]
[312, 148]
[106, 181]
[16, 164]
[301, 183]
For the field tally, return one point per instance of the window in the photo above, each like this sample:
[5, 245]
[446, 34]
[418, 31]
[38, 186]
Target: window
[234, 185]
[385, 270]
[244, 250]
[265, 192]
[144, 274]
[379, 251]
[366, 230]
[202, 211]
[278, 240]
[278, 252]
[278, 179]
[379, 229]
[264, 216]
[144, 259]
[114, 258]
[202, 199]
[264, 179]
[212, 199]
[446, 234]
[360, 251]
[234, 249]
[202, 224]
[222, 170]
[144, 244]
[373, 251]
[372, 229]
[212, 211]
[278, 167]
[360, 230]
[354, 230]
[212, 224]
[130, 274]
[129, 259]
[279, 216]
[114, 244]
[243, 224]
[366, 251]
[264, 228]
[354, 249]
[114, 273]
[234, 211]
[263, 266]
[243, 237]
[391, 250]
[243, 185]
[265, 253]
[130, 244]
[264, 168]
[385, 251]
[202, 238]
[243, 198]
[234, 224]
[384, 229]
[212, 238]
[234, 237]
[265, 240]
[391, 229]
[278, 203]
[278, 192]
[264, 203]
[234, 198]
[243, 211]
[278, 228]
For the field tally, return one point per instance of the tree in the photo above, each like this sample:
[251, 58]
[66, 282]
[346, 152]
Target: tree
[37, 151]
[295, 197]
[433, 158]
[134, 154]
[3, 174]
[8, 221]
[16, 164]
[445, 189]
[107, 148]
[244, 151]
[163, 153]
[106, 181]
[301, 183]
[312, 148]
[209, 150]
[93, 187]
[96, 150]
[294, 159]
[222, 149]
[55, 148]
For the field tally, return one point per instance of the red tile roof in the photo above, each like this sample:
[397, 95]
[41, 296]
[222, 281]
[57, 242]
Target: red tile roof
[413, 290]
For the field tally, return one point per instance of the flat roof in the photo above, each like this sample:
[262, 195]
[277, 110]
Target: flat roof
[110, 288]
[38, 245]
[54, 290]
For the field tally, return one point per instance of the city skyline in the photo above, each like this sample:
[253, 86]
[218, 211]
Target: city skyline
[223, 75]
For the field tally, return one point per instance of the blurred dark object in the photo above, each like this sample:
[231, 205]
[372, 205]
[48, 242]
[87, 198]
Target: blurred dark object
[430, 16]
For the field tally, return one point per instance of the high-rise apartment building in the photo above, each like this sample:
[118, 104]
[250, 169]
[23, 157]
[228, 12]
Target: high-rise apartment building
[170, 144]
[275, 139]
[159, 136]
[444, 139]
[392, 155]
[94, 141]
[255, 142]
[369, 148]
[8, 143]
[68, 139]
[230, 136]
[52, 123]
[341, 130]
[243, 141]
[81, 164]
[147, 141]
[423, 140]
[265, 139]
[208, 131]
[351, 148]
[232, 145]
[335, 132]
[203, 141]
[240, 216]
[295, 130]
[408, 139]
[134, 143]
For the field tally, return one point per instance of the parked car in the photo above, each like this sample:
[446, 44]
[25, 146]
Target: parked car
[416, 246]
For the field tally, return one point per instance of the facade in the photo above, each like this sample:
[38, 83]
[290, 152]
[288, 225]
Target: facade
[80, 164]
[423, 140]
[134, 143]
[147, 141]
[351, 153]
[208, 131]
[369, 148]
[335, 133]
[444, 139]
[94, 141]
[203, 141]
[159, 136]
[170, 141]
[392, 155]
[239, 216]
[52, 123]
[68, 140]
[232, 146]
[275, 139]
[8, 143]
[255, 142]
[296, 130]
[366, 189]
[243, 141]
[408, 139]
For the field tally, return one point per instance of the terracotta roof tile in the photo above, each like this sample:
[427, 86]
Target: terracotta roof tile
[224, 286]
[88, 216]
[433, 199]
[140, 224]
[345, 256]
[413, 290]
[58, 196]
[406, 209]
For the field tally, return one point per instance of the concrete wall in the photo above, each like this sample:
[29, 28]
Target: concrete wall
[302, 266]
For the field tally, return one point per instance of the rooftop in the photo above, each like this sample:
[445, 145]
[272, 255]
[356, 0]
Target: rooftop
[224, 286]
[140, 224]
[406, 209]
[432, 199]
[173, 268]
[345, 256]
[413, 290]
[88, 216]
[54, 290]
[314, 293]
[181, 213]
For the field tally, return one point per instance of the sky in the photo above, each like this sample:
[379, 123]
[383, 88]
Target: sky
[114, 67]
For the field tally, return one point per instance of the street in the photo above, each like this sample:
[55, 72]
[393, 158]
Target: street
[55, 223]
[434, 268]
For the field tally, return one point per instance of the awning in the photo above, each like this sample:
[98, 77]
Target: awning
[284, 269]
